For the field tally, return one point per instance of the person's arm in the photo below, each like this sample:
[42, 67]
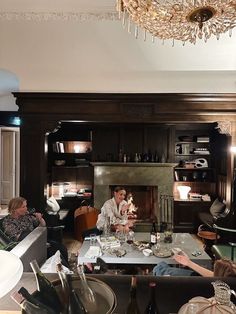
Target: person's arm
[185, 261]
[39, 217]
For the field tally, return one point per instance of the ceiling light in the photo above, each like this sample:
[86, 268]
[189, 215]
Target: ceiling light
[184, 20]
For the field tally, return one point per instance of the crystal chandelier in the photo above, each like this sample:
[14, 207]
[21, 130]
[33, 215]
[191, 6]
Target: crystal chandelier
[184, 20]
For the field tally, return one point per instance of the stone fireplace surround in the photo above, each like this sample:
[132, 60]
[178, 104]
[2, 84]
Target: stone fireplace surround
[140, 174]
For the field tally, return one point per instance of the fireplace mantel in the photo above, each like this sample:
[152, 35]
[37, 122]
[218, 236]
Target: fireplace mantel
[134, 164]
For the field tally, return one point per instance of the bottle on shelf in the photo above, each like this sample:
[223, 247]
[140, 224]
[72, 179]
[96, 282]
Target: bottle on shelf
[28, 306]
[87, 295]
[153, 234]
[152, 305]
[72, 302]
[136, 158]
[120, 157]
[133, 307]
[124, 158]
[46, 288]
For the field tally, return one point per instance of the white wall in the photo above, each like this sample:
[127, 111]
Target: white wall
[93, 56]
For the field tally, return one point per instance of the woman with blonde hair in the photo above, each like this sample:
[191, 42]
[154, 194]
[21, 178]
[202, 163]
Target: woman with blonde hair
[20, 222]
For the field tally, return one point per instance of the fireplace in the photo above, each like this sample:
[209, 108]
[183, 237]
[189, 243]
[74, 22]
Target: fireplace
[144, 180]
[144, 198]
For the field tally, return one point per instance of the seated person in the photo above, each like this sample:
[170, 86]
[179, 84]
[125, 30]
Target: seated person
[115, 209]
[222, 268]
[19, 223]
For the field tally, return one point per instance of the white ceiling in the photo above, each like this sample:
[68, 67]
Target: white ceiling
[49, 52]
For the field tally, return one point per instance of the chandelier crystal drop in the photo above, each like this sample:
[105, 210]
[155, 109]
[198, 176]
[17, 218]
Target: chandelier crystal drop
[184, 20]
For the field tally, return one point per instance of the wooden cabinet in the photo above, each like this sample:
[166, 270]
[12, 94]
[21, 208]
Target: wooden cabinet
[185, 214]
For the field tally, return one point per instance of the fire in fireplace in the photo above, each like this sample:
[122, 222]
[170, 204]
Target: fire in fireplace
[144, 198]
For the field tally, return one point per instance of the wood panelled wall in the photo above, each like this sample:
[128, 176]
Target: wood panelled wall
[41, 114]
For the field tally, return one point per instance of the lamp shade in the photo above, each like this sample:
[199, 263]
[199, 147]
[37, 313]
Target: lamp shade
[183, 192]
[10, 271]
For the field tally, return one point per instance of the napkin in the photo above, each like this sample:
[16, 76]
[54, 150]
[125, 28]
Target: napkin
[93, 251]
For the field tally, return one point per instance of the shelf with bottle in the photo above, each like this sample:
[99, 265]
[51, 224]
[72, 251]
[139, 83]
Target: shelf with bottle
[194, 174]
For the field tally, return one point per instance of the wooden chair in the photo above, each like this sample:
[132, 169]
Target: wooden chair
[85, 217]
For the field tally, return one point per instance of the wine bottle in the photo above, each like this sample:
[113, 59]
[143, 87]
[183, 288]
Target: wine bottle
[46, 288]
[152, 306]
[132, 307]
[28, 297]
[75, 304]
[87, 294]
[72, 302]
[153, 234]
[27, 306]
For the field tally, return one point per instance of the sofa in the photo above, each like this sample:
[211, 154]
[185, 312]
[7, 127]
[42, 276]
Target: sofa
[171, 292]
[33, 246]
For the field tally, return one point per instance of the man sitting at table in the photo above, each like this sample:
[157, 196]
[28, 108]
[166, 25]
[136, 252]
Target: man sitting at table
[116, 211]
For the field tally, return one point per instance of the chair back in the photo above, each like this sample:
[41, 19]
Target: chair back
[85, 217]
[225, 242]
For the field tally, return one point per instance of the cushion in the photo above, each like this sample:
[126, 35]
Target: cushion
[217, 208]
[53, 206]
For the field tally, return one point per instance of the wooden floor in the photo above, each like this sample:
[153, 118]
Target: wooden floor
[71, 243]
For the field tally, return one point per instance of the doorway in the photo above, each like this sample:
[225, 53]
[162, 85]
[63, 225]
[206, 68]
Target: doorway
[10, 163]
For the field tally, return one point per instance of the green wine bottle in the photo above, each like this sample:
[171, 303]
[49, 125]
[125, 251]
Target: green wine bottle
[132, 307]
[152, 306]
[48, 292]
[73, 304]
[26, 305]
[27, 296]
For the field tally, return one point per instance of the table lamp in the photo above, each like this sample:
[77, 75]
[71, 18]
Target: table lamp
[183, 191]
[11, 271]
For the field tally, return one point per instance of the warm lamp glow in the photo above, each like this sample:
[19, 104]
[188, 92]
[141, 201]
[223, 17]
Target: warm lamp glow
[233, 149]
[183, 192]
[10, 271]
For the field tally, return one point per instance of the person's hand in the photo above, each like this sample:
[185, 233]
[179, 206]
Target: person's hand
[38, 216]
[125, 208]
[182, 259]
[122, 228]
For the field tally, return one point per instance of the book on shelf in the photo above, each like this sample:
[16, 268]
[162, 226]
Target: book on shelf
[203, 139]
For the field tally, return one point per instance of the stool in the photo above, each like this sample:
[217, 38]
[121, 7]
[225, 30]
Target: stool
[208, 238]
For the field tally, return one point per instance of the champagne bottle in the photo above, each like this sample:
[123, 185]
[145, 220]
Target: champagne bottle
[30, 298]
[46, 288]
[72, 302]
[132, 307]
[152, 306]
[75, 304]
[153, 234]
[27, 306]
[87, 294]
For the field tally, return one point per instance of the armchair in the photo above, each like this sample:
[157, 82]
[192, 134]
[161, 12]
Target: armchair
[225, 245]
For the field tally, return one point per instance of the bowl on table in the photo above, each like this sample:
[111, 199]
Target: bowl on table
[59, 162]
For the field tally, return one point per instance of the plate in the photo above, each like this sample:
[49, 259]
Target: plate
[105, 296]
[162, 253]
[117, 252]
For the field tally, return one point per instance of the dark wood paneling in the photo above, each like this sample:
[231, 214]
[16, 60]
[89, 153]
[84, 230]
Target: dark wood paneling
[42, 112]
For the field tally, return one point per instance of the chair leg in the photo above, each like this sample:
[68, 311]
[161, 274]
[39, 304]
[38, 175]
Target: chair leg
[232, 253]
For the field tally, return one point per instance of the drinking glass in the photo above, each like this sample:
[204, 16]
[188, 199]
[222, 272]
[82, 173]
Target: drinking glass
[182, 238]
[93, 239]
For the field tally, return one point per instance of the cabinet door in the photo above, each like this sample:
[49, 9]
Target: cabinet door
[185, 213]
